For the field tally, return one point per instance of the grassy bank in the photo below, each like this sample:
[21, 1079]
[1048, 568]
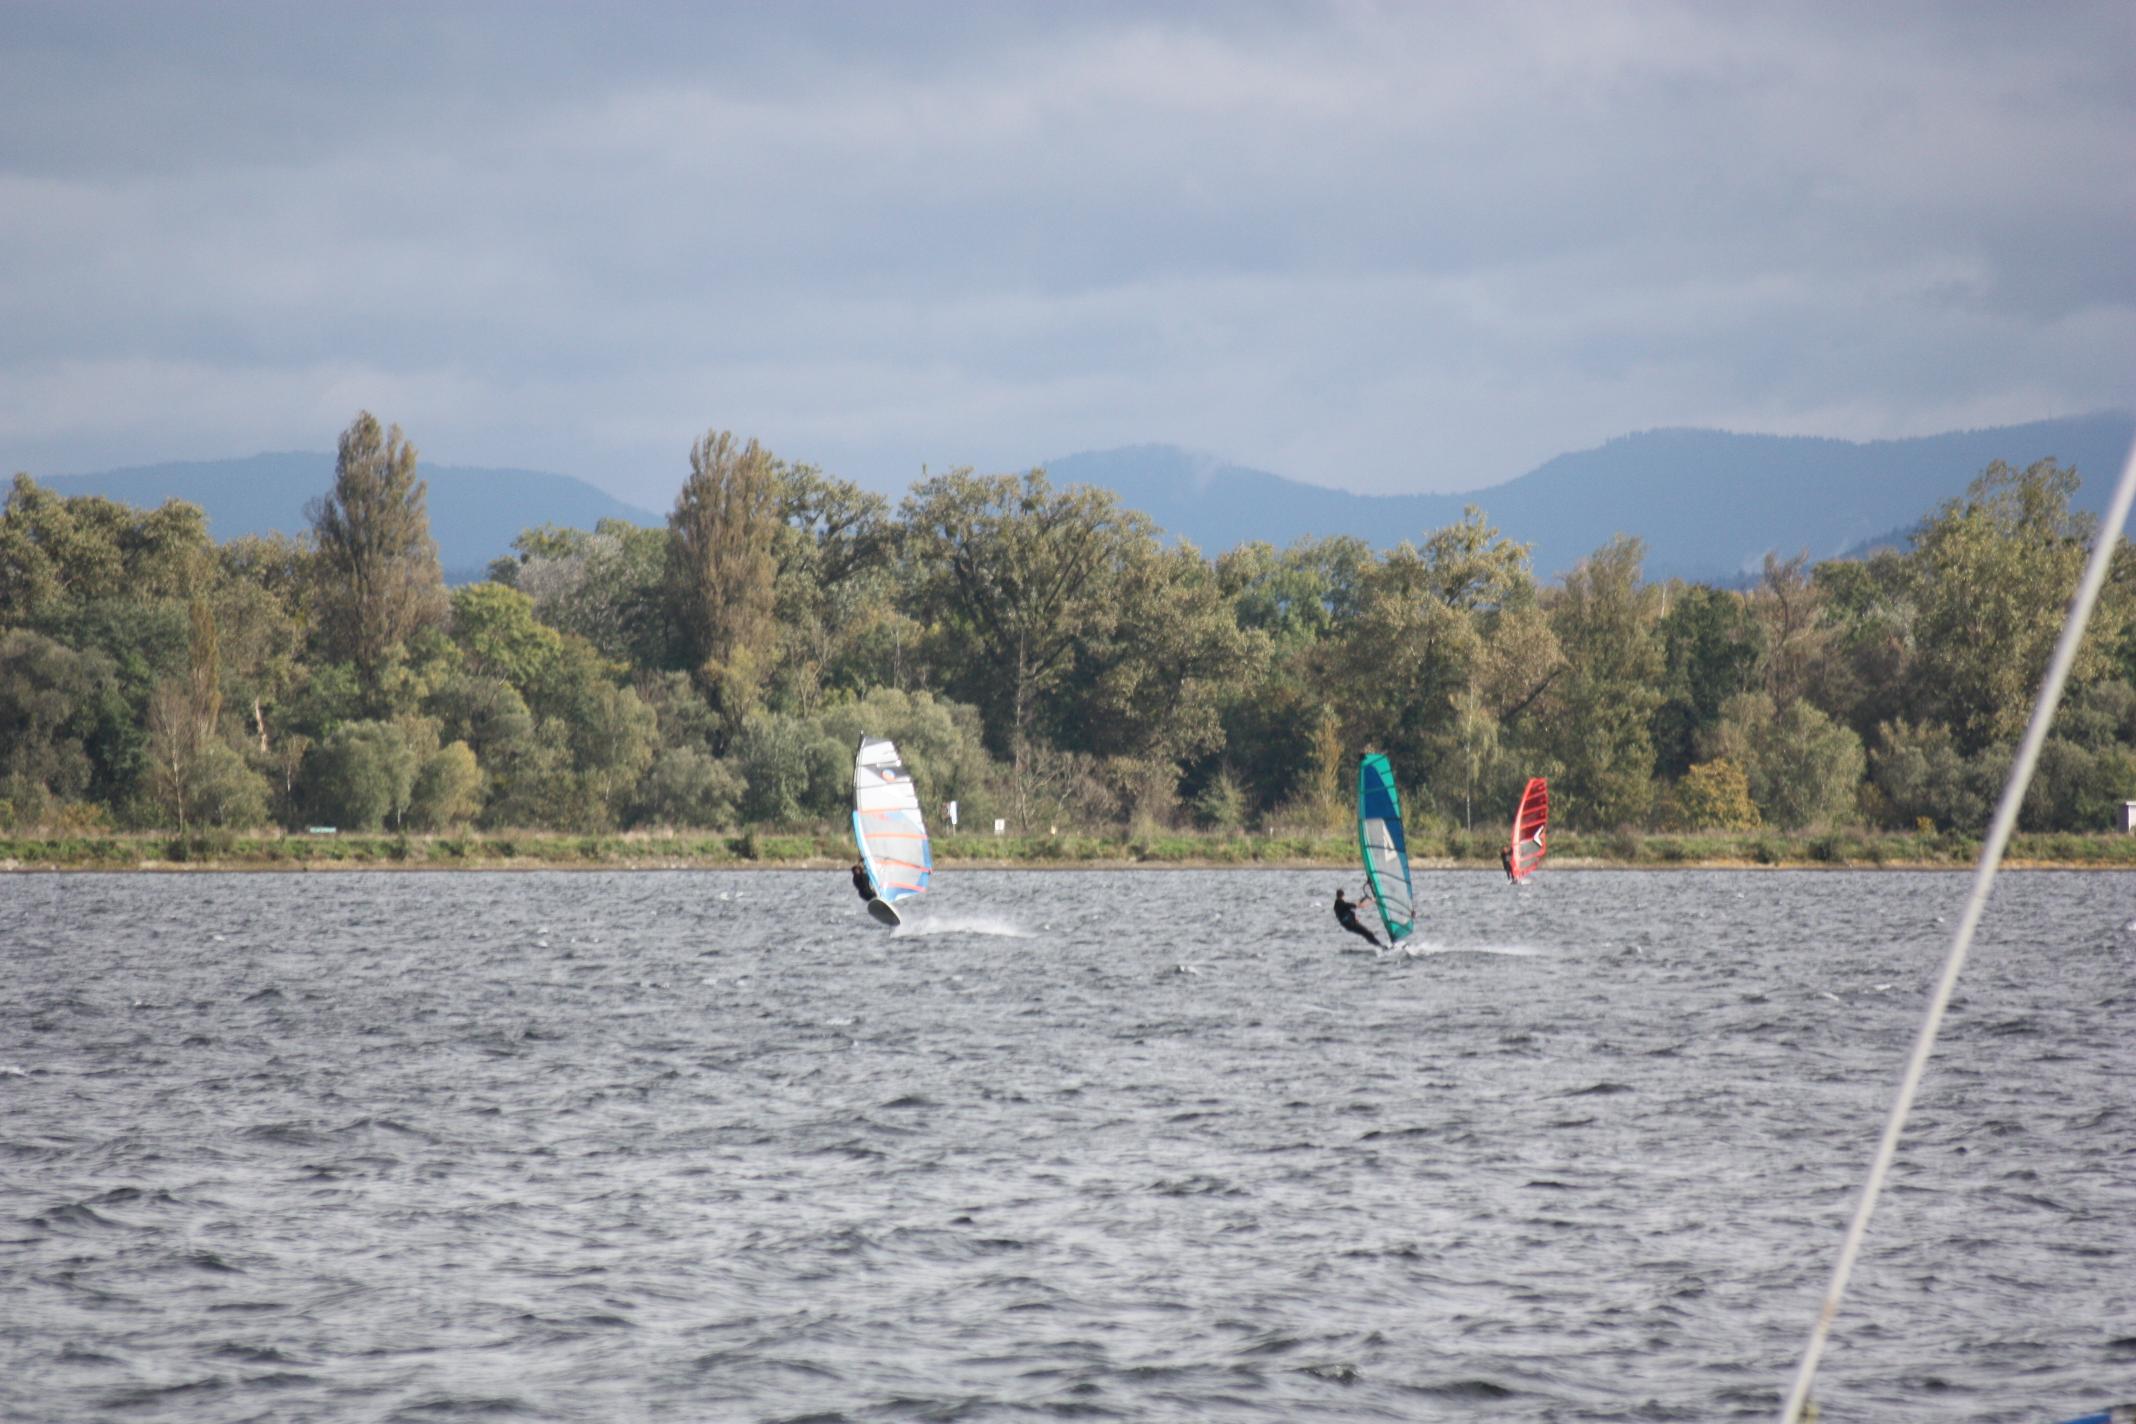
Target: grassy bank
[800, 849]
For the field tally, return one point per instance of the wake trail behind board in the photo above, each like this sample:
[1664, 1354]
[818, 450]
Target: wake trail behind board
[1422, 950]
[963, 924]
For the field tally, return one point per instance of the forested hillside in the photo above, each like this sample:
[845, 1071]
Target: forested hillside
[1040, 654]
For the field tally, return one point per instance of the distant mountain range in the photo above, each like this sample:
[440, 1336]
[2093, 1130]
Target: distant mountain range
[1708, 504]
[475, 514]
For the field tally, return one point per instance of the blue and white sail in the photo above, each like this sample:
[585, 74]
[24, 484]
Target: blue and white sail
[887, 824]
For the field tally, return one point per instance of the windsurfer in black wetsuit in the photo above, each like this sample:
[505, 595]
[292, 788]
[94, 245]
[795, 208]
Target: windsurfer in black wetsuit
[863, 884]
[1346, 916]
[1505, 858]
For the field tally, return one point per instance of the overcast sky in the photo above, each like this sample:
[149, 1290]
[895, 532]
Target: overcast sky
[1395, 247]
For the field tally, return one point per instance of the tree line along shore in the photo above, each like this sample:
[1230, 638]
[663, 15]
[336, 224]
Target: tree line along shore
[1048, 663]
[682, 850]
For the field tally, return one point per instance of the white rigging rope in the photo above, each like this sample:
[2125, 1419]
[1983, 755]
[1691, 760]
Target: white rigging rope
[1991, 853]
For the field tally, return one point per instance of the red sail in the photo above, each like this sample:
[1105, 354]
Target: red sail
[1529, 825]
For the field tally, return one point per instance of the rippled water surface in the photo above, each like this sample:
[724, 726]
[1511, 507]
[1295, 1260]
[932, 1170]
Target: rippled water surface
[1131, 1145]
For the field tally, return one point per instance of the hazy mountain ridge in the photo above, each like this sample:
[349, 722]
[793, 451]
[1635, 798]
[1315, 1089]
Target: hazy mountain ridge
[475, 512]
[1708, 503]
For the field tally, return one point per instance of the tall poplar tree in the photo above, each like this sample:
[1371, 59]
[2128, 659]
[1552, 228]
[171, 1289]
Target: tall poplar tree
[379, 581]
[723, 571]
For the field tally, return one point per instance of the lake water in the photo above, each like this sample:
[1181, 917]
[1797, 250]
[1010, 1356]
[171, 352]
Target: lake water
[1134, 1145]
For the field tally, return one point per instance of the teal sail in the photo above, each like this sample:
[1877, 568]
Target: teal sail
[1380, 842]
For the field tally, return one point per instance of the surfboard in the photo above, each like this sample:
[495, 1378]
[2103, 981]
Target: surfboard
[886, 912]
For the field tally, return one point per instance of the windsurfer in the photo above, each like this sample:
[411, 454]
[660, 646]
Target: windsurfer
[1346, 916]
[863, 884]
[1505, 858]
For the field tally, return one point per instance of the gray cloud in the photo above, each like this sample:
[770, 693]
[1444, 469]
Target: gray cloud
[1383, 247]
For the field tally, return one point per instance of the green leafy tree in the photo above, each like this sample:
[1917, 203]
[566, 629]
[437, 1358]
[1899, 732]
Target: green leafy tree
[539, 785]
[50, 695]
[1803, 767]
[1712, 648]
[1398, 671]
[212, 787]
[1221, 804]
[1866, 672]
[448, 789]
[491, 718]
[2079, 788]
[362, 775]
[613, 738]
[1790, 606]
[688, 787]
[499, 635]
[377, 566]
[259, 641]
[1601, 707]
[685, 718]
[790, 768]
[1502, 741]
[183, 718]
[610, 587]
[1713, 796]
[57, 550]
[1269, 732]
[840, 629]
[52, 549]
[1994, 573]
[1923, 775]
[1016, 578]
[1297, 596]
[1151, 686]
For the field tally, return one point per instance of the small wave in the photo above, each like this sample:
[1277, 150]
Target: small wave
[162, 1394]
[455, 1407]
[120, 1196]
[253, 1355]
[281, 1379]
[1467, 1391]
[76, 1214]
